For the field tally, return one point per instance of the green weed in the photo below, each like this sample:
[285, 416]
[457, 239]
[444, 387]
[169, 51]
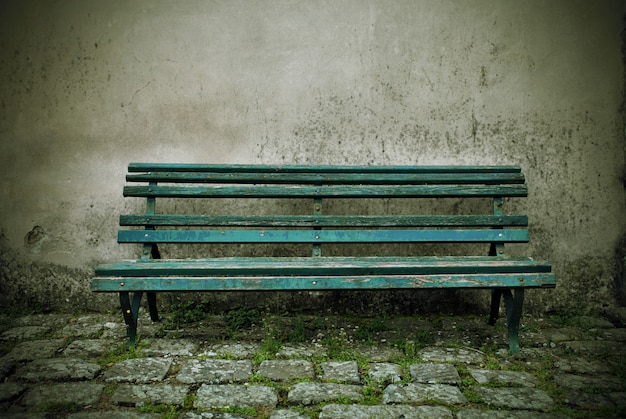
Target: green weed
[335, 348]
[566, 317]
[186, 313]
[372, 393]
[411, 347]
[242, 318]
[318, 323]
[297, 335]
[270, 346]
[123, 352]
[369, 330]
[189, 401]
[471, 395]
[109, 389]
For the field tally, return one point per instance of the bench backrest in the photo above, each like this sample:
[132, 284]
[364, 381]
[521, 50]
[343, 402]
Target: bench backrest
[319, 184]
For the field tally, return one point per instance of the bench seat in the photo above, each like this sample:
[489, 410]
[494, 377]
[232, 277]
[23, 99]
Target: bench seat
[287, 210]
[305, 273]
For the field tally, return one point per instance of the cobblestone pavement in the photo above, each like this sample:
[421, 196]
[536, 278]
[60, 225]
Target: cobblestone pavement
[246, 365]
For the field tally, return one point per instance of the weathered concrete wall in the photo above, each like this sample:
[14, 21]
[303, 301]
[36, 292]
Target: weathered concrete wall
[88, 86]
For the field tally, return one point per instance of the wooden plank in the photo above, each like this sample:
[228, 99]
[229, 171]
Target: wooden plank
[336, 191]
[317, 283]
[323, 221]
[243, 168]
[329, 178]
[322, 236]
[330, 266]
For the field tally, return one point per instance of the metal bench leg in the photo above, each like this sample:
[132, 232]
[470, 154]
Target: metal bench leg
[152, 306]
[513, 303]
[130, 310]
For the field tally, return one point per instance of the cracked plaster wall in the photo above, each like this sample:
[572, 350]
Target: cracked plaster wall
[88, 86]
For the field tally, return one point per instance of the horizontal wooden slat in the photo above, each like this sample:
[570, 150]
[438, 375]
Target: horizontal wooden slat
[321, 236]
[354, 191]
[323, 221]
[302, 283]
[326, 266]
[243, 168]
[329, 178]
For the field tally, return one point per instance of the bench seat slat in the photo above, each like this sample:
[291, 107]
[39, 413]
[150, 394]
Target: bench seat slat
[294, 283]
[328, 178]
[323, 221]
[328, 191]
[251, 168]
[330, 266]
[322, 236]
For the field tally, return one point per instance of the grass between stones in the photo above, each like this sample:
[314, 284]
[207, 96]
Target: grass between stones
[124, 352]
[341, 337]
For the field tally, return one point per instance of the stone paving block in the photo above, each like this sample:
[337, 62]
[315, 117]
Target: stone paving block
[215, 371]
[589, 401]
[114, 414]
[24, 332]
[519, 378]
[592, 322]
[505, 414]
[562, 334]
[169, 347]
[314, 393]
[343, 411]
[287, 414]
[385, 372]
[285, 370]
[434, 374]
[452, 355]
[616, 315]
[592, 347]
[516, 398]
[81, 330]
[58, 369]
[581, 365]
[80, 393]
[619, 398]
[34, 349]
[294, 350]
[231, 395]
[89, 348]
[140, 394]
[212, 415]
[380, 353]
[138, 370]
[10, 391]
[49, 320]
[344, 371]
[117, 331]
[418, 393]
[584, 382]
[618, 335]
[232, 350]
[26, 415]
[149, 329]
[6, 367]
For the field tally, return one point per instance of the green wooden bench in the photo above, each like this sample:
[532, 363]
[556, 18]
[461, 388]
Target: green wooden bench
[300, 199]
